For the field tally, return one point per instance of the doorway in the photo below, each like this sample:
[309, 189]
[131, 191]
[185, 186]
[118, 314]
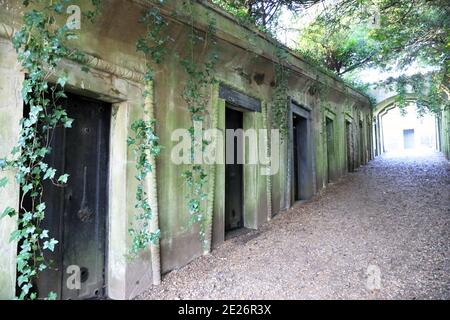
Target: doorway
[303, 187]
[349, 140]
[76, 214]
[361, 144]
[408, 138]
[234, 170]
[330, 148]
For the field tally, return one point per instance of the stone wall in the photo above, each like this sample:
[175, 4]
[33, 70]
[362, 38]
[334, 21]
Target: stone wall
[246, 64]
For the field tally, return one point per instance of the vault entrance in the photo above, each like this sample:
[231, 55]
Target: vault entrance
[234, 171]
[361, 143]
[301, 141]
[349, 141]
[330, 148]
[76, 214]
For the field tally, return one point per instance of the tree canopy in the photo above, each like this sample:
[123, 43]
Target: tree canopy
[263, 12]
[351, 35]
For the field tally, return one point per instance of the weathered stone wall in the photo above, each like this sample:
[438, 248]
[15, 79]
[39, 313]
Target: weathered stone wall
[444, 126]
[115, 77]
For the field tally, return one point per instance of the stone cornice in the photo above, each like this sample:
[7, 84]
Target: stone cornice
[135, 74]
[265, 47]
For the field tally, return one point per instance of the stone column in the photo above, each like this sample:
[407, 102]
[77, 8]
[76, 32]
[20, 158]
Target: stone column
[11, 111]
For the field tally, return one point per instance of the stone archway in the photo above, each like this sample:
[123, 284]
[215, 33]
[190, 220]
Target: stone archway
[381, 110]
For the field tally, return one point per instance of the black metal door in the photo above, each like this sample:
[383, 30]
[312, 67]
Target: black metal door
[234, 175]
[76, 214]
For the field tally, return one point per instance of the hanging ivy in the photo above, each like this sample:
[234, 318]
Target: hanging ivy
[195, 94]
[280, 110]
[145, 142]
[40, 45]
[145, 145]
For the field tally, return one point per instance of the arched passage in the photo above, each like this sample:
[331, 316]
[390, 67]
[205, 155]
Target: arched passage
[394, 132]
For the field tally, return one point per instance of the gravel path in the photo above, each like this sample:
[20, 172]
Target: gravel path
[393, 215]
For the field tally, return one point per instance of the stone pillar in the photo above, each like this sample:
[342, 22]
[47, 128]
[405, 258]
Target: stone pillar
[11, 110]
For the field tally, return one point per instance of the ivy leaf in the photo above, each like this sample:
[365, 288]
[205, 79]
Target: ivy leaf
[8, 212]
[62, 81]
[44, 234]
[41, 207]
[15, 235]
[27, 217]
[42, 152]
[52, 296]
[68, 123]
[2, 164]
[42, 267]
[50, 244]
[26, 288]
[50, 174]
[58, 8]
[27, 188]
[22, 279]
[3, 182]
[63, 179]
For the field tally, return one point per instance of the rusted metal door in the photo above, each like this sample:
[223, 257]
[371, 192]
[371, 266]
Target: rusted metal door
[234, 174]
[76, 214]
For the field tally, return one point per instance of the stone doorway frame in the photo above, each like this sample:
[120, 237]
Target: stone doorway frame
[106, 82]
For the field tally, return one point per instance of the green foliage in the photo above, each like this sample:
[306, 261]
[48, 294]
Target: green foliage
[409, 33]
[145, 142]
[145, 145]
[427, 88]
[340, 51]
[262, 12]
[40, 45]
[195, 94]
[280, 108]
[236, 9]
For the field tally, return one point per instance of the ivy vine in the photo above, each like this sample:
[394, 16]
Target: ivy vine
[144, 141]
[40, 45]
[280, 109]
[145, 144]
[201, 74]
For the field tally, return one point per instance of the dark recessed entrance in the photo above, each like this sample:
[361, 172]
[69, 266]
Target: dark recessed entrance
[349, 140]
[234, 215]
[76, 215]
[361, 143]
[303, 186]
[330, 148]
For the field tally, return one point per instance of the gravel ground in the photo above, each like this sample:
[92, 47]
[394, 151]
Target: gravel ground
[392, 215]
